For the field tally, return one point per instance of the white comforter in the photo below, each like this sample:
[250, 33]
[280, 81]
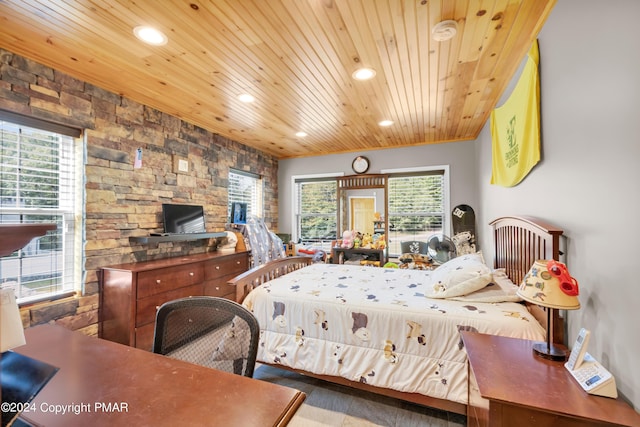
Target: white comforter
[375, 325]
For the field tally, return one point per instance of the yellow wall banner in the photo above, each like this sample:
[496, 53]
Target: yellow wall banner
[515, 128]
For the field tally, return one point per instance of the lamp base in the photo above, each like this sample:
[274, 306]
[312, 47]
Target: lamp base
[549, 351]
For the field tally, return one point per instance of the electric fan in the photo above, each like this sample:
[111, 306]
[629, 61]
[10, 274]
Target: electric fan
[441, 248]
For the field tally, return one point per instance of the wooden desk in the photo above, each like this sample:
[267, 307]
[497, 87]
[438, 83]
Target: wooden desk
[339, 255]
[148, 389]
[525, 390]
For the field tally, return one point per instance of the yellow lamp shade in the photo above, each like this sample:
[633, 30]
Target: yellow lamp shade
[543, 288]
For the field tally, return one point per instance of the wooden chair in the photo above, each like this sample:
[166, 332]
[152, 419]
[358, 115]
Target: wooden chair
[208, 331]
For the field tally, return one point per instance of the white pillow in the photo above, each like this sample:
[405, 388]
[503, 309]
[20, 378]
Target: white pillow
[459, 276]
[501, 289]
[501, 279]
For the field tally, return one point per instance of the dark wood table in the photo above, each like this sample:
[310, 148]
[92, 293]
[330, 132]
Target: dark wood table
[109, 384]
[16, 236]
[525, 390]
[340, 254]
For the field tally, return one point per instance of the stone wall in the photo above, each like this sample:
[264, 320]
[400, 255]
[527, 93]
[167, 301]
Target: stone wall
[123, 201]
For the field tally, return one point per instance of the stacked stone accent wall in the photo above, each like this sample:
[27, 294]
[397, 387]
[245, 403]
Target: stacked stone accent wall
[122, 201]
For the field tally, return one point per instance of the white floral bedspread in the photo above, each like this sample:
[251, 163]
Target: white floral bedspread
[375, 325]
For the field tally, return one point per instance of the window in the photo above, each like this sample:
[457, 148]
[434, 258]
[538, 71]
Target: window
[417, 206]
[245, 187]
[315, 209]
[38, 184]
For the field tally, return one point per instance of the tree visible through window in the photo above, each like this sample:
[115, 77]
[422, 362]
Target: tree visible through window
[38, 185]
[316, 206]
[416, 207]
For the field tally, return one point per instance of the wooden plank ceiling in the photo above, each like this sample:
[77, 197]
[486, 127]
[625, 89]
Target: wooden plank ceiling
[296, 57]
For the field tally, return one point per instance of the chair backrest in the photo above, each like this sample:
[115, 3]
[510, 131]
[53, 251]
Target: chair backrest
[414, 247]
[208, 331]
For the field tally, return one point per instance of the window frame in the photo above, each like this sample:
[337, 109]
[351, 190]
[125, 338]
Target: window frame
[428, 170]
[295, 202]
[255, 202]
[64, 264]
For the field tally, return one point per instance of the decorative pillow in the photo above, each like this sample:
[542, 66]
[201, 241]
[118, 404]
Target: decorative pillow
[459, 276]
[501, 289]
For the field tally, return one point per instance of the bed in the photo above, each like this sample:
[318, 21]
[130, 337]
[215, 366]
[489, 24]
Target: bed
[391, 331]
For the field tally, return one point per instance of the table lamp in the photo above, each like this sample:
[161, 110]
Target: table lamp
[11, 330]
[21, 377]
[549, 284]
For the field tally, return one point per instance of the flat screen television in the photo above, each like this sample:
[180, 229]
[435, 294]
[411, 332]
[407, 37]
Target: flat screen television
[180, 219]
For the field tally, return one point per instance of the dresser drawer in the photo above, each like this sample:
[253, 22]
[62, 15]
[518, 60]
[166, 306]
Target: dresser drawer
[164, 279]
[220, 288]
[218, 268]
[146, 307]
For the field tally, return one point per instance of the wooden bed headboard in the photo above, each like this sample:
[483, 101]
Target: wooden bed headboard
[518, 242]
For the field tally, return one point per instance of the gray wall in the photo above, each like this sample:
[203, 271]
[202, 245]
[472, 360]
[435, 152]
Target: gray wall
[587, 181]
[459, 156]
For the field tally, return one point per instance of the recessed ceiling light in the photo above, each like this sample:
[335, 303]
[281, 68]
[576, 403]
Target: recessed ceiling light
[364, 73]
[386, 123]
[150, 35]
[245, 97]
[444, 30]
[301, 134]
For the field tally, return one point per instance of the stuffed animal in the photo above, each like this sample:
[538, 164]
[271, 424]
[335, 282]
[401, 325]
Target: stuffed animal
[463, 242]
[319, 256]
[357, 241]
[367, 241]
[381, 243]
[347, 239]
[415, 261]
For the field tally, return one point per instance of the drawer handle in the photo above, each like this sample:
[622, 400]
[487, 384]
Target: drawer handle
[217, 267]
[191, 273]
[217, 288]
[158, 281]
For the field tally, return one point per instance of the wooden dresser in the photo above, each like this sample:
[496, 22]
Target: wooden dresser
[131, 293]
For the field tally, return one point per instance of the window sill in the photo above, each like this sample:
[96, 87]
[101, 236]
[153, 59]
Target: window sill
[45, 299]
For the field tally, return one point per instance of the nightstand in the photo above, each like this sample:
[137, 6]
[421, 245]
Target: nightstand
[509, 386]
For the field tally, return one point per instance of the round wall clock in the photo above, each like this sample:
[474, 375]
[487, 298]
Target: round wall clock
[360, 164]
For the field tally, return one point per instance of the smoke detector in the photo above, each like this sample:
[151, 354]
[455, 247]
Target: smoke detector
[444, 30]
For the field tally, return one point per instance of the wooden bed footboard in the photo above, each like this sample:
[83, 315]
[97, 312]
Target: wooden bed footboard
[256, 276]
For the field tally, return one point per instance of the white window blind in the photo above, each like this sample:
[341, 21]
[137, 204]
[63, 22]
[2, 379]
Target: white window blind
[38, 185]
[245, 187]
[416, 207]
[316, 215]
